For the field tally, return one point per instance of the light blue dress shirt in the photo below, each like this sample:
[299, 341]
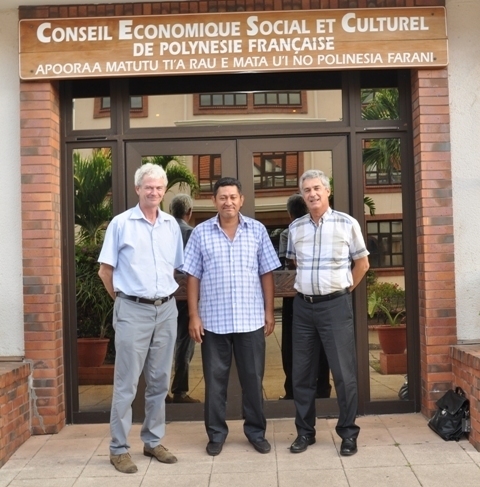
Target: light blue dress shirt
[231, 295]
[143, 255]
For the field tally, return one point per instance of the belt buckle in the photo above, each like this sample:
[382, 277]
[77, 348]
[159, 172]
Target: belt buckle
[159, 302]
[309, 299]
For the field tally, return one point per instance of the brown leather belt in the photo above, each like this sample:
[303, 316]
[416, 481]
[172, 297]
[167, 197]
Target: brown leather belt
[155, 302]
[318, 298]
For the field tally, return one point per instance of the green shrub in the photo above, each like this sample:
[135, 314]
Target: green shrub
[94, 304]
[386, 302]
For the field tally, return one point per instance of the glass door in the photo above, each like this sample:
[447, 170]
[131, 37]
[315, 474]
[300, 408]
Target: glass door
[269, 169]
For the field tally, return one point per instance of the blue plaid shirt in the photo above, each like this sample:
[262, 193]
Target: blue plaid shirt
[231, 296]
[324, 252]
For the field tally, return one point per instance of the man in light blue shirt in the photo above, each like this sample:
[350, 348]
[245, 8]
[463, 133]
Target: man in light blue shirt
[142, 247]
[229, 260]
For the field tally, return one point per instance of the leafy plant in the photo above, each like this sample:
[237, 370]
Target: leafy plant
[93, 199]
[177, 172]
[382, 155]
[386, 302]
[94, 304]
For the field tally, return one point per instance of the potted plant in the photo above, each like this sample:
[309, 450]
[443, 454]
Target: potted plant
[94, 308]
[386, 303]
[93, 211]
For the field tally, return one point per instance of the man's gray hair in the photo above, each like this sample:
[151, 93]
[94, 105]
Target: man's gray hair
[150, 170]
[181, 205]
[312, 174]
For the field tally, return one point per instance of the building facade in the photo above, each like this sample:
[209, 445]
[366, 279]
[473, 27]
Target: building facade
[435, 203]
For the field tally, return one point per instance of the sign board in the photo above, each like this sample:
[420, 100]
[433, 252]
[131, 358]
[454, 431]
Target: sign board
[292, 40]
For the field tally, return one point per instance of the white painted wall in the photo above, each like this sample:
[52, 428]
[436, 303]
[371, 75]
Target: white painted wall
[463, 17]
[11, 289]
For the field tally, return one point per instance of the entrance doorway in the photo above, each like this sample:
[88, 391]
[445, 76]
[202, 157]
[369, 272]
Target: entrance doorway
[267, 153]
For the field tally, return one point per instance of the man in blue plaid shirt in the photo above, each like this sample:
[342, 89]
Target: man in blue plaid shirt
[323, 244]
[229, 260]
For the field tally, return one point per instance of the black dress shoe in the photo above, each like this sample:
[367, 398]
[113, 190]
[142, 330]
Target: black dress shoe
[214, 448]
[349, 447]
[286, 396]
[301, 443]
[261, 445]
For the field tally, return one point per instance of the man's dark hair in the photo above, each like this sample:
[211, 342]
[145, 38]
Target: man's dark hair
[296, 206]
[227, 182]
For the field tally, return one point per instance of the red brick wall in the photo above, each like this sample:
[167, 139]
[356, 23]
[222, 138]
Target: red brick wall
[40, 159]
[433, 196]
[14, 408]
[40, 136]
[158, 8]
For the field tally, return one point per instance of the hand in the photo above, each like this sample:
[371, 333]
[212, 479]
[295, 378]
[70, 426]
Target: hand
[195, 328]
[269, 323]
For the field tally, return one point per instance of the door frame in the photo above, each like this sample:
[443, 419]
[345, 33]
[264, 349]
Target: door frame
[236, 159]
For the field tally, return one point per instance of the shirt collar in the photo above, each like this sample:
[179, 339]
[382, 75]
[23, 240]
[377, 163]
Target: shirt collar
[325, 216]
[241, 219]
[137, 214]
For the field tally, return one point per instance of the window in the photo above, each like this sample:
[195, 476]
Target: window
[256, 102]
[385, 243]
[138, 107]
[209, 171]
[275, 169]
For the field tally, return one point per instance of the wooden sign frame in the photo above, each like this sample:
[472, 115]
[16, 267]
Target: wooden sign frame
[99, 47]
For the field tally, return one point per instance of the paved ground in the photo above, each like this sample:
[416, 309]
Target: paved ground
[394, 450]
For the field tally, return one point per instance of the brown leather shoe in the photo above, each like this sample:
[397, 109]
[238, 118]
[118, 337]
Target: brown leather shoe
[160, 453]
[123, 463]
[184, 398]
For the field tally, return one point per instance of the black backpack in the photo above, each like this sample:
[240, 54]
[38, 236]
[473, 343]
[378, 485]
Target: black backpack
[452, 419]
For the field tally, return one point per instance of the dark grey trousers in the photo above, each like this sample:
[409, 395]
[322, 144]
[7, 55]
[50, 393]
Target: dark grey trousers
[249, 352]
[332, 322]
[184, 349]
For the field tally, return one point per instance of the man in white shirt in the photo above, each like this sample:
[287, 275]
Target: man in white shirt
[142, 247]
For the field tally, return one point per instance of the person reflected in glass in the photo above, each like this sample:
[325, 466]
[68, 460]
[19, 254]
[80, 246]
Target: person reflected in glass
[297, 208]
[323, 244]
[181, 207]
[230, 260]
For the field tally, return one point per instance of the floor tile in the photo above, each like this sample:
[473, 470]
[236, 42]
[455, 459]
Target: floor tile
[442, 475]
[313, 477]
[444, 453]
[265, 479]
[399, 476]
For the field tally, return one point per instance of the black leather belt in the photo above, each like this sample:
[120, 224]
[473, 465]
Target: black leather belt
[318, 298]
[156, 302]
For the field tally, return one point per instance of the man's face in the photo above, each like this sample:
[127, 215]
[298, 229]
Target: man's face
[228, 202]
[150, 192]
[315, 195]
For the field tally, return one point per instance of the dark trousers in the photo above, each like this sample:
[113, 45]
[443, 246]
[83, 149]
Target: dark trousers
[323, 372]
[184, 348]
[332, 323]
[249, 352]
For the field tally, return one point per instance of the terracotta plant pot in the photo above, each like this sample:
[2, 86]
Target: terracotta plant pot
[393, 339]
[91, 351]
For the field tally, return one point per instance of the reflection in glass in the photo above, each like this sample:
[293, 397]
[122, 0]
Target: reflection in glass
[275, 169]
[93, 211]
[380, 104]
[282, 170]
[382, 161]
[239, 107]
[91, 113]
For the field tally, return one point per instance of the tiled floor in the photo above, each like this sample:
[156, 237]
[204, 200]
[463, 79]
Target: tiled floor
[394, 450]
